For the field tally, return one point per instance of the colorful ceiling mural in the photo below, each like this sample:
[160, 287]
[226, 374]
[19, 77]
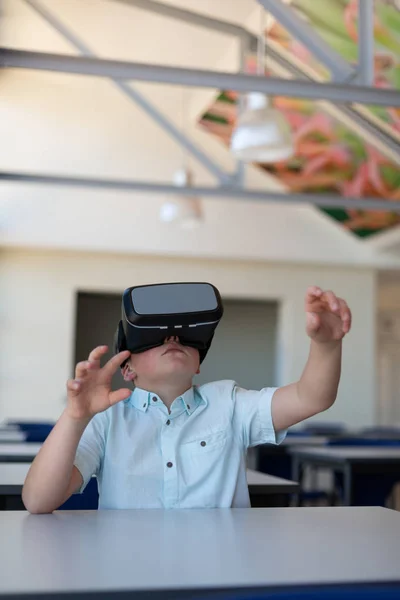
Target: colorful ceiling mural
[329, 158]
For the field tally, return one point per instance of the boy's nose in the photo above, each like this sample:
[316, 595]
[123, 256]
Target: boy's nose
[171, 338]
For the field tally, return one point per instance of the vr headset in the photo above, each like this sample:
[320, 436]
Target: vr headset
[151, 313]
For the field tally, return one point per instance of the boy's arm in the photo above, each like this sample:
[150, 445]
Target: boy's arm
[328, 321]
[53, 477]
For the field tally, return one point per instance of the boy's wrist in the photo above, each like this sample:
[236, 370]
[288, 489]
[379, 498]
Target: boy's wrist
[75, 419]
[330, 346]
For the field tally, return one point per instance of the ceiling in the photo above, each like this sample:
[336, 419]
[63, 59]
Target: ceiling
[63, 124]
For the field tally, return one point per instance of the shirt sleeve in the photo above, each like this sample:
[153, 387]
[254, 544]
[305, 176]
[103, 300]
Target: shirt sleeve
[253, 416]
[90, 452]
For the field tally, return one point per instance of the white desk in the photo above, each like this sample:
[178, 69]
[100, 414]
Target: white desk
[305, 440]
[12, 436]
[18, 452]
[265, 490]
[12, 477]
[172, 551]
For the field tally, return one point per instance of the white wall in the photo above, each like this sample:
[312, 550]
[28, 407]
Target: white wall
[37, 319]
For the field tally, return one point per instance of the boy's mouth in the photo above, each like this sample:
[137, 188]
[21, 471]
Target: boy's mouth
[173, 348]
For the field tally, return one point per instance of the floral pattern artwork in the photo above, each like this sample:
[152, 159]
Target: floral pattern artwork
[329, 158]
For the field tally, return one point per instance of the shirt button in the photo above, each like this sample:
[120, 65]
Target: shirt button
[203, 444]
[144, 405]
[169, 465]
[188, 406]
[168, 422]
[154, 399]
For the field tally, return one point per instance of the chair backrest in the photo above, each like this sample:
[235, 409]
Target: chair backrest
[38, 434]
[88, 500]
[31, 425]
[361, 441]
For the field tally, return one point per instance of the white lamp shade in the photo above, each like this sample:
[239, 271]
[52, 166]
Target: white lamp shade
[183, 210]
[262, 134]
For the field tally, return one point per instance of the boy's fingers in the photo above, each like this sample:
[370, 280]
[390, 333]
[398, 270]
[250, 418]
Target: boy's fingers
[313, 322]
[81, 369]
[119, 395]
[313, 292]
[345, 314]
[313, 300]
[73, 386]
[97, 353]
[115, 362]
[332, 301]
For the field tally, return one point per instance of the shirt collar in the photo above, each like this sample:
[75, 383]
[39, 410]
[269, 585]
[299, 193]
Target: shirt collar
[142, 399]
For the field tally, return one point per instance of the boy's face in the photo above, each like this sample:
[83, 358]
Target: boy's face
[172, 361]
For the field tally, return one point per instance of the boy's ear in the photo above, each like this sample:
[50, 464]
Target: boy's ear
[128, 374]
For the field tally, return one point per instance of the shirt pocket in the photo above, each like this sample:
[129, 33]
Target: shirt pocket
[205, 444]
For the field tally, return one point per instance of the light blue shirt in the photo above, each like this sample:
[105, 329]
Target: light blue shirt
[193, 457]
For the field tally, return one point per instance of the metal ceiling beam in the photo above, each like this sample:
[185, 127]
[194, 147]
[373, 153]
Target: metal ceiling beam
[136, 97]
[95, 67]
[323, 200]
[341, 70]
[173, 12]
[336, 64]
[365, 71]
[241, 167]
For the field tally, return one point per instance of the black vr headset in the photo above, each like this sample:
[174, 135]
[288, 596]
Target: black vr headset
[150, 313]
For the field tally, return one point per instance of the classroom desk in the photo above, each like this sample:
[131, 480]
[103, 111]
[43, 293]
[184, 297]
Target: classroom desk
[18, 452]
[179, 554]
[265, 490]
[12, 436]
[305, 440]
[350, 461]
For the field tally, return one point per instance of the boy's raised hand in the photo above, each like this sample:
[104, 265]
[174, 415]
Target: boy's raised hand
[328, 317]
[90, 392]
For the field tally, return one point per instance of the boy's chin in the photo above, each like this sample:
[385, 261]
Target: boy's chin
[178, 372]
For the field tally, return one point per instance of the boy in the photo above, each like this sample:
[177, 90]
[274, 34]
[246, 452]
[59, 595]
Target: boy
[168, 444]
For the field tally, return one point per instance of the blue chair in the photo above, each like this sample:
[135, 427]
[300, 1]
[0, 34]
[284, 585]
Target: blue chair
[88, 500]
[30, 425]
[34, 431]
[38, 434]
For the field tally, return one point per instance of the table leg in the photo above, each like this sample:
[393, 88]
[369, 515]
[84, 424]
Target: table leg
[296, 476]
[347, 485]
